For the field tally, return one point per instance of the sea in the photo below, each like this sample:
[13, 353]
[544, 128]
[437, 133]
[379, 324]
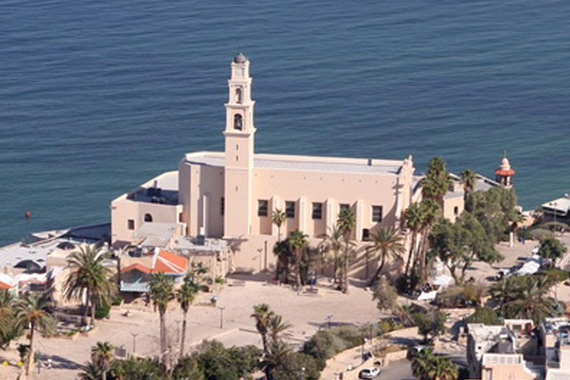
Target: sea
[97, 97]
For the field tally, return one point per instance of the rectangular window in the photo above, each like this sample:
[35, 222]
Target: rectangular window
[290, 209]
[377, 214]
[131, 224]
[262, 207]
[456, 210]
[317, 210]
[223, 206]
[365, 234]
[344, 207]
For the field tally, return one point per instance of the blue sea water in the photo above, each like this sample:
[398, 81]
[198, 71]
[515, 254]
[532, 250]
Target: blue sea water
[97, 97]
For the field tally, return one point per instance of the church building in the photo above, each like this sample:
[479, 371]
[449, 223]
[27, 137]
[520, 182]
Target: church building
[232, 195]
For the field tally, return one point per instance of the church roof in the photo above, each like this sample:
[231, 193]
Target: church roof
[304, 163]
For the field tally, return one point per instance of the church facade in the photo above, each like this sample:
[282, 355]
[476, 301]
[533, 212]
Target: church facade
[232, 195]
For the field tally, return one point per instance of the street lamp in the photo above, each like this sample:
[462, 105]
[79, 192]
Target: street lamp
[134, 343]
[221, 316]
[328, 319]
[362, 349]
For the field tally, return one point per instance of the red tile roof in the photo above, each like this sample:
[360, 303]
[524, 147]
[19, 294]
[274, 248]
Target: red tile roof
[136, 266]
[3, 285]
[167, 262]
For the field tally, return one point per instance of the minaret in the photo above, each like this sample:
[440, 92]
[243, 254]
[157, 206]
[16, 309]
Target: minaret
[239, 135]
[504, 174]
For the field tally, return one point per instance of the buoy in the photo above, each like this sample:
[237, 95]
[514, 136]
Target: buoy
[27, 215]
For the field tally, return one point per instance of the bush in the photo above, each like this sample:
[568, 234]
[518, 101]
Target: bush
[102, 310]
[484, 315]
[292, 365]
[539, 234]
[430, 324]
[117, 300]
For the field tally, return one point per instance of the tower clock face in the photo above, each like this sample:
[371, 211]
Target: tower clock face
[240, 71]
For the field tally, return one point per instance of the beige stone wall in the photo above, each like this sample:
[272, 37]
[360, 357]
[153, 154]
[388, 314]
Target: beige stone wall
[123, 209]
[452, 208]
[507, 372]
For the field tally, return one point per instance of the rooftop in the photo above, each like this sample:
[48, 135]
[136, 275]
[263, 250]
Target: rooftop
[162, 189]
[304, 163]
[155, 234]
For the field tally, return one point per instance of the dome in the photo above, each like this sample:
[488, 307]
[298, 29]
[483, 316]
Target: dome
[240, 58]
[505, 164]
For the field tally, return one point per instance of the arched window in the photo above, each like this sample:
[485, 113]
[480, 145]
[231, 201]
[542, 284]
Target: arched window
[239, 95]
[238, 122]
[147, 218]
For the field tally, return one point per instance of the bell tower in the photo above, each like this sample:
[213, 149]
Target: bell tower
[239, 135]
[504, 173]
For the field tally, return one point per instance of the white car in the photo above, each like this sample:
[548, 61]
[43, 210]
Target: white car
[369, 373]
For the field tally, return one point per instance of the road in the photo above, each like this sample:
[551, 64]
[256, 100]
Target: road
[400, 370]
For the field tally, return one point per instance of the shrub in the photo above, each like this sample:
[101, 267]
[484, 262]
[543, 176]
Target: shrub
[539, 234]
[430, 324]
[102, 310]
[291, 366]
[117, 300]
[484, 315]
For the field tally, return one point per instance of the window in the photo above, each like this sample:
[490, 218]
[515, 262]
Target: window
[131, 224]
[238, 95]
[377, 213]
[456, 210]
[344, 207]
[222, 206]
[290, 209]
[365, 234]
[262, 207]
[238, 122]
[147, 218]
[317, 210]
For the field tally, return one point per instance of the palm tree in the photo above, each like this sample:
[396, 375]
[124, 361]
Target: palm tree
[414, 219]
[282, 250]
[92, 371]
[276, 327]
[262, 315]
[332, 242]
[30, 312]
[298, 241]
[278, 218]
[427, 366]
[385, 242]
[89, 278]
[6, 312]
[468, 180]
[529, 302]
[276, 355]
[429, 211]
[437, 180]
[185, 295]
[346, 223]
[161, 293]
[102, 355]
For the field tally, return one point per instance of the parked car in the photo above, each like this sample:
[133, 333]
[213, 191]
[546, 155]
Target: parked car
[369, 373]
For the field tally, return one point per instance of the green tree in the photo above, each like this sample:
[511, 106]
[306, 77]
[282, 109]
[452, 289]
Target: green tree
[431, 323]
[468, 180]
[101, 356]
[459, 245]
[346, 222]
[9, 329]
[278, 217]
[262, 314]
[185, 295]
[161, 290]
[277, 353]
[385, 295]
[427, 366]
[298, 242]
[495, 209]
[138, 369]
[88, 277]
[551, 248]
[485, 315]
[529, 300]
[385, 243]
[30, 311]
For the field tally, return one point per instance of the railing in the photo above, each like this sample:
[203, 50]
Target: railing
[134, 287]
